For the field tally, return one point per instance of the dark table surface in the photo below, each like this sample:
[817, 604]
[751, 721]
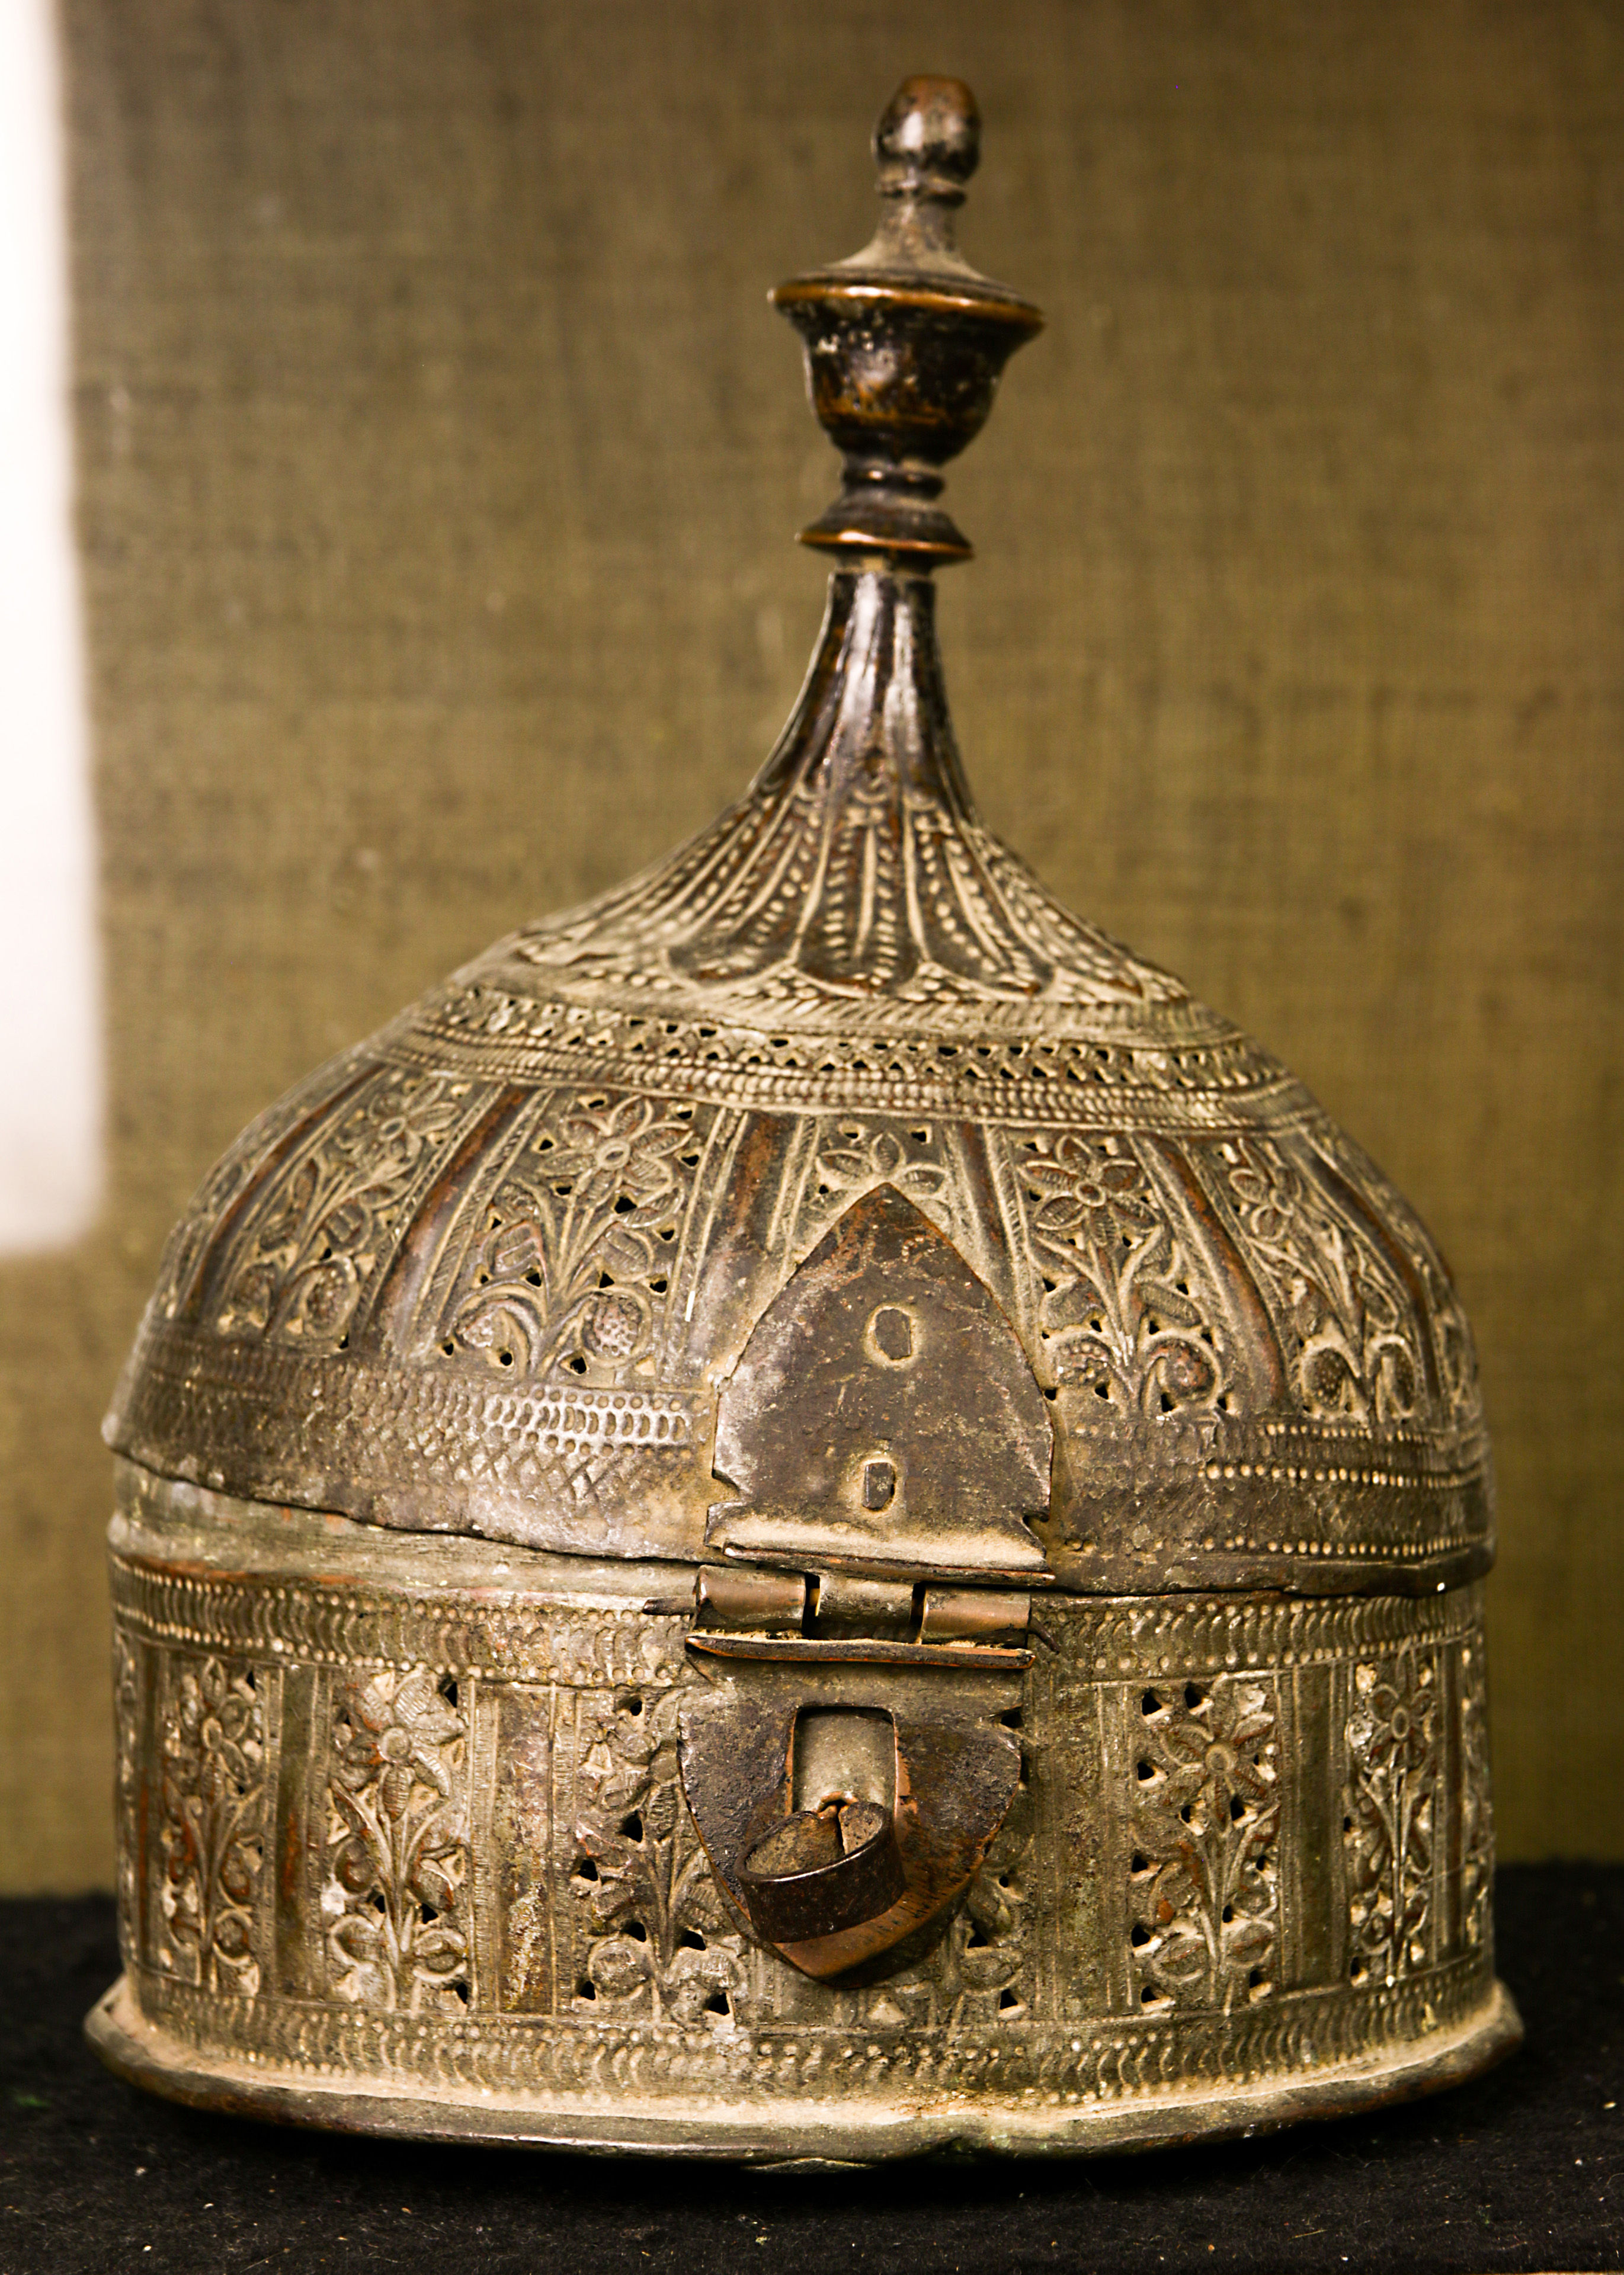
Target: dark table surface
[1519, 2170]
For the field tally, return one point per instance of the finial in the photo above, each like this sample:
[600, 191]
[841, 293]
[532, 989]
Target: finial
[905, 341]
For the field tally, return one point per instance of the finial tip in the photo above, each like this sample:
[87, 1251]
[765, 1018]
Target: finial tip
[928, 139]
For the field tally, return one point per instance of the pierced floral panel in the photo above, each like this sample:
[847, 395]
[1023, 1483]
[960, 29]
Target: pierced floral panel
[211, 1839]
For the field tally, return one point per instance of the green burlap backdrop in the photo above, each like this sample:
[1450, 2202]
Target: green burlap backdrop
[439, 458]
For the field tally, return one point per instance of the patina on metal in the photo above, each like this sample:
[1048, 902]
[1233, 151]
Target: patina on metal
[808, 1514]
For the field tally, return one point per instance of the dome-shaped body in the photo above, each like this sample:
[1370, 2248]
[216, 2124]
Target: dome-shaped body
[829, 1211]
[489, 1272]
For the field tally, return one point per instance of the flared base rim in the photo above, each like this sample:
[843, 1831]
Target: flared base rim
[794, 2131]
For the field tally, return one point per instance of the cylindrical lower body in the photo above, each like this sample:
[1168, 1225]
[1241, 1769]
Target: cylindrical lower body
[403, 1849]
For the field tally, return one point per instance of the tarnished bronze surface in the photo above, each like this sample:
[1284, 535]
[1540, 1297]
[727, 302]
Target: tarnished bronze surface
[807, 1514]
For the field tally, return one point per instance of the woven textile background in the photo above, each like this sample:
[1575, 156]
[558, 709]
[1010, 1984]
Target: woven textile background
[439, 457]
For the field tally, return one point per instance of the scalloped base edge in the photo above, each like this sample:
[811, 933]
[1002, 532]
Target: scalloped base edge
[788, 2133]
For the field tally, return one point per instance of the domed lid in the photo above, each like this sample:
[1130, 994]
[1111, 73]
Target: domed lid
[828, 1189]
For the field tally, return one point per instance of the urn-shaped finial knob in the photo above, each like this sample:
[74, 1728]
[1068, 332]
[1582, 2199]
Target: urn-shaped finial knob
[905, 341]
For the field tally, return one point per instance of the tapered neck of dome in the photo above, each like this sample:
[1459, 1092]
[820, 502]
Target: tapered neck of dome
[854, 871]
[871, 722]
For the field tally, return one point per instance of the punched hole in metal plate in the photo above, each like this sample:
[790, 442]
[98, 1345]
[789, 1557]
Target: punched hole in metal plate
[879, 1483]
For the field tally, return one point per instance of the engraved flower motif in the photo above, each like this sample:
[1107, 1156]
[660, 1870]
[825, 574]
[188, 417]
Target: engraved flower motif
[616, 1151]
[580, 1242]
[657, 1929]
[615, 1325]
[213, 1764]
[1354, 1328]
[1392, 1723]
[323, 1228]
[397, 1120]
[398, 1725]
[1120, 1309]
[1087, 1195]
[860, 1158]
[1268, 1197]
[215, 1736]
[397, 1851]
[1208, 1752]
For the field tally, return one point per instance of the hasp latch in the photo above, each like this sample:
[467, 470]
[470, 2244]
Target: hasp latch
[853, 1759]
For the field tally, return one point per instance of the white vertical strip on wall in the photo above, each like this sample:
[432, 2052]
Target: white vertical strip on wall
[51, 1102]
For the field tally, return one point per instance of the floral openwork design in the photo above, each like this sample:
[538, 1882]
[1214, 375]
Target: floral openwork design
[580, 1246]
[1119, 1314]
[1356, 1351]
[855, 1157]
[979, 1975]
[398, 1844]
[308, 1263]
[657, 1939]
[214, 1770]
[1388, 1831]
[1204, 1892]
